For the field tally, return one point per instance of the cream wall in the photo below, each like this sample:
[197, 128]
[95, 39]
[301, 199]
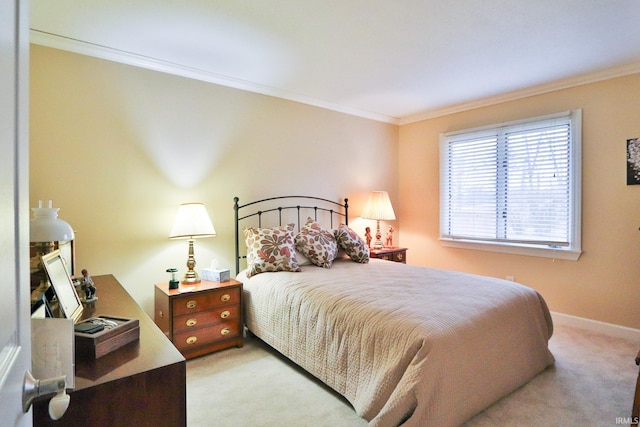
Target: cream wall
[117, 148]
[604, 284]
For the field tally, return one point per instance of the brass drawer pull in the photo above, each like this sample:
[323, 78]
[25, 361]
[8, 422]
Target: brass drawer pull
[225, 297]
[225, 314]
[225, 331]
[192, 339]
[400, 257]
[191, 304]
[192, 322]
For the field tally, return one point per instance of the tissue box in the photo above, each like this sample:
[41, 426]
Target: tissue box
[215, 275]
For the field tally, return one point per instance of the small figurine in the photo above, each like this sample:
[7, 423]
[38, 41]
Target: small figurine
[88, 287]
[367, 235]
[390, 236]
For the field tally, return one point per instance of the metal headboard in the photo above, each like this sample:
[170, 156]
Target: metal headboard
[338, 210]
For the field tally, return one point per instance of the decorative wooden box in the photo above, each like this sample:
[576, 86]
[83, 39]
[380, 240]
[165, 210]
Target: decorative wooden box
[116, 333]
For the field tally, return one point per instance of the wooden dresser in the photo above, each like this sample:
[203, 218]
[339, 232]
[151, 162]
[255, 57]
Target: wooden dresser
[200, 318]
[140, 384]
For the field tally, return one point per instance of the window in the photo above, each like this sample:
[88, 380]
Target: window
[513, 187]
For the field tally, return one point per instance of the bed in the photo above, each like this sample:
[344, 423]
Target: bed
[405, 345]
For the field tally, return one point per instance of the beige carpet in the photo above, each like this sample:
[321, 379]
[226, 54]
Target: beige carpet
[591, 384]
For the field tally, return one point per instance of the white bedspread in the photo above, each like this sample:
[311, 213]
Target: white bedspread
[404, 344]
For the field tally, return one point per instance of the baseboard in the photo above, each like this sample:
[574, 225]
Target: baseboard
[596, 326]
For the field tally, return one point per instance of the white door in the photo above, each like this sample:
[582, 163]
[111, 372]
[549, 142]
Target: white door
[15, 326]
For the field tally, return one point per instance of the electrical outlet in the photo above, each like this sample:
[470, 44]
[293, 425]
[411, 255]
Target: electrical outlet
[511, 278]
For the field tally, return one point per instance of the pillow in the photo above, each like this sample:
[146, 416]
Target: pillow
[317, 244]
[270, 249]
[302, 259]
[353, 245]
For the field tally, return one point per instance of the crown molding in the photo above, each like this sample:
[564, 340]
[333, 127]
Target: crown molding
[582, 79]
[121, 56]
[116, 55]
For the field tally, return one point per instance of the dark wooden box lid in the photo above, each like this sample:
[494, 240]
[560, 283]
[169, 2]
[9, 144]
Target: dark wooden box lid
[107, 337]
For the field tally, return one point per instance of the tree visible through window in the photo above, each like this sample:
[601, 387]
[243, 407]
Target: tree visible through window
[513, 187]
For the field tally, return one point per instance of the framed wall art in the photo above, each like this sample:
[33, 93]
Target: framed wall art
[633, 161]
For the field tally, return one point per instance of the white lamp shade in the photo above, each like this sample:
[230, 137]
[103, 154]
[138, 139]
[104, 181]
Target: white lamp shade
[192, 221]
[379, 207]
[47, 227]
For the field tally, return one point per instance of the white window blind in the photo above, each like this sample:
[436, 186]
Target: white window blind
[515, 185]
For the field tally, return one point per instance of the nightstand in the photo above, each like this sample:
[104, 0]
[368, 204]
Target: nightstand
[390, 254]
[200, 318]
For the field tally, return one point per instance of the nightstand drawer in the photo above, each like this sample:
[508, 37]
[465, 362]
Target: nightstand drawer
[205, 318]
[197, 337]
[390, 254]
[400, 257]
[205, 301]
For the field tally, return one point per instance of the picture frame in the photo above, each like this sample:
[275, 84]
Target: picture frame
[633, 161]
[68, 299]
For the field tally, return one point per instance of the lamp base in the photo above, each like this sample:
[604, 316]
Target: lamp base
[378, 243]
[191, 278]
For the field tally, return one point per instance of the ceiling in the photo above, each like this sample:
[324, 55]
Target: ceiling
[393, 61]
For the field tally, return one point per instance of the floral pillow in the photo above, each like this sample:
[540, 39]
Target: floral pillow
[317, 244]
[353, 245]
[270, 249]
[302, 259]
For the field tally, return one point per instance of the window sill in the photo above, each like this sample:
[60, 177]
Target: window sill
[566, 254]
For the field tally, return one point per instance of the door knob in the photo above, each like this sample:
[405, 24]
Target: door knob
[33, 389]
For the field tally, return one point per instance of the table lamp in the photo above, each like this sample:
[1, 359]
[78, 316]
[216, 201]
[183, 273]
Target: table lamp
[379, 207]
[47, 233]
[192, 222]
